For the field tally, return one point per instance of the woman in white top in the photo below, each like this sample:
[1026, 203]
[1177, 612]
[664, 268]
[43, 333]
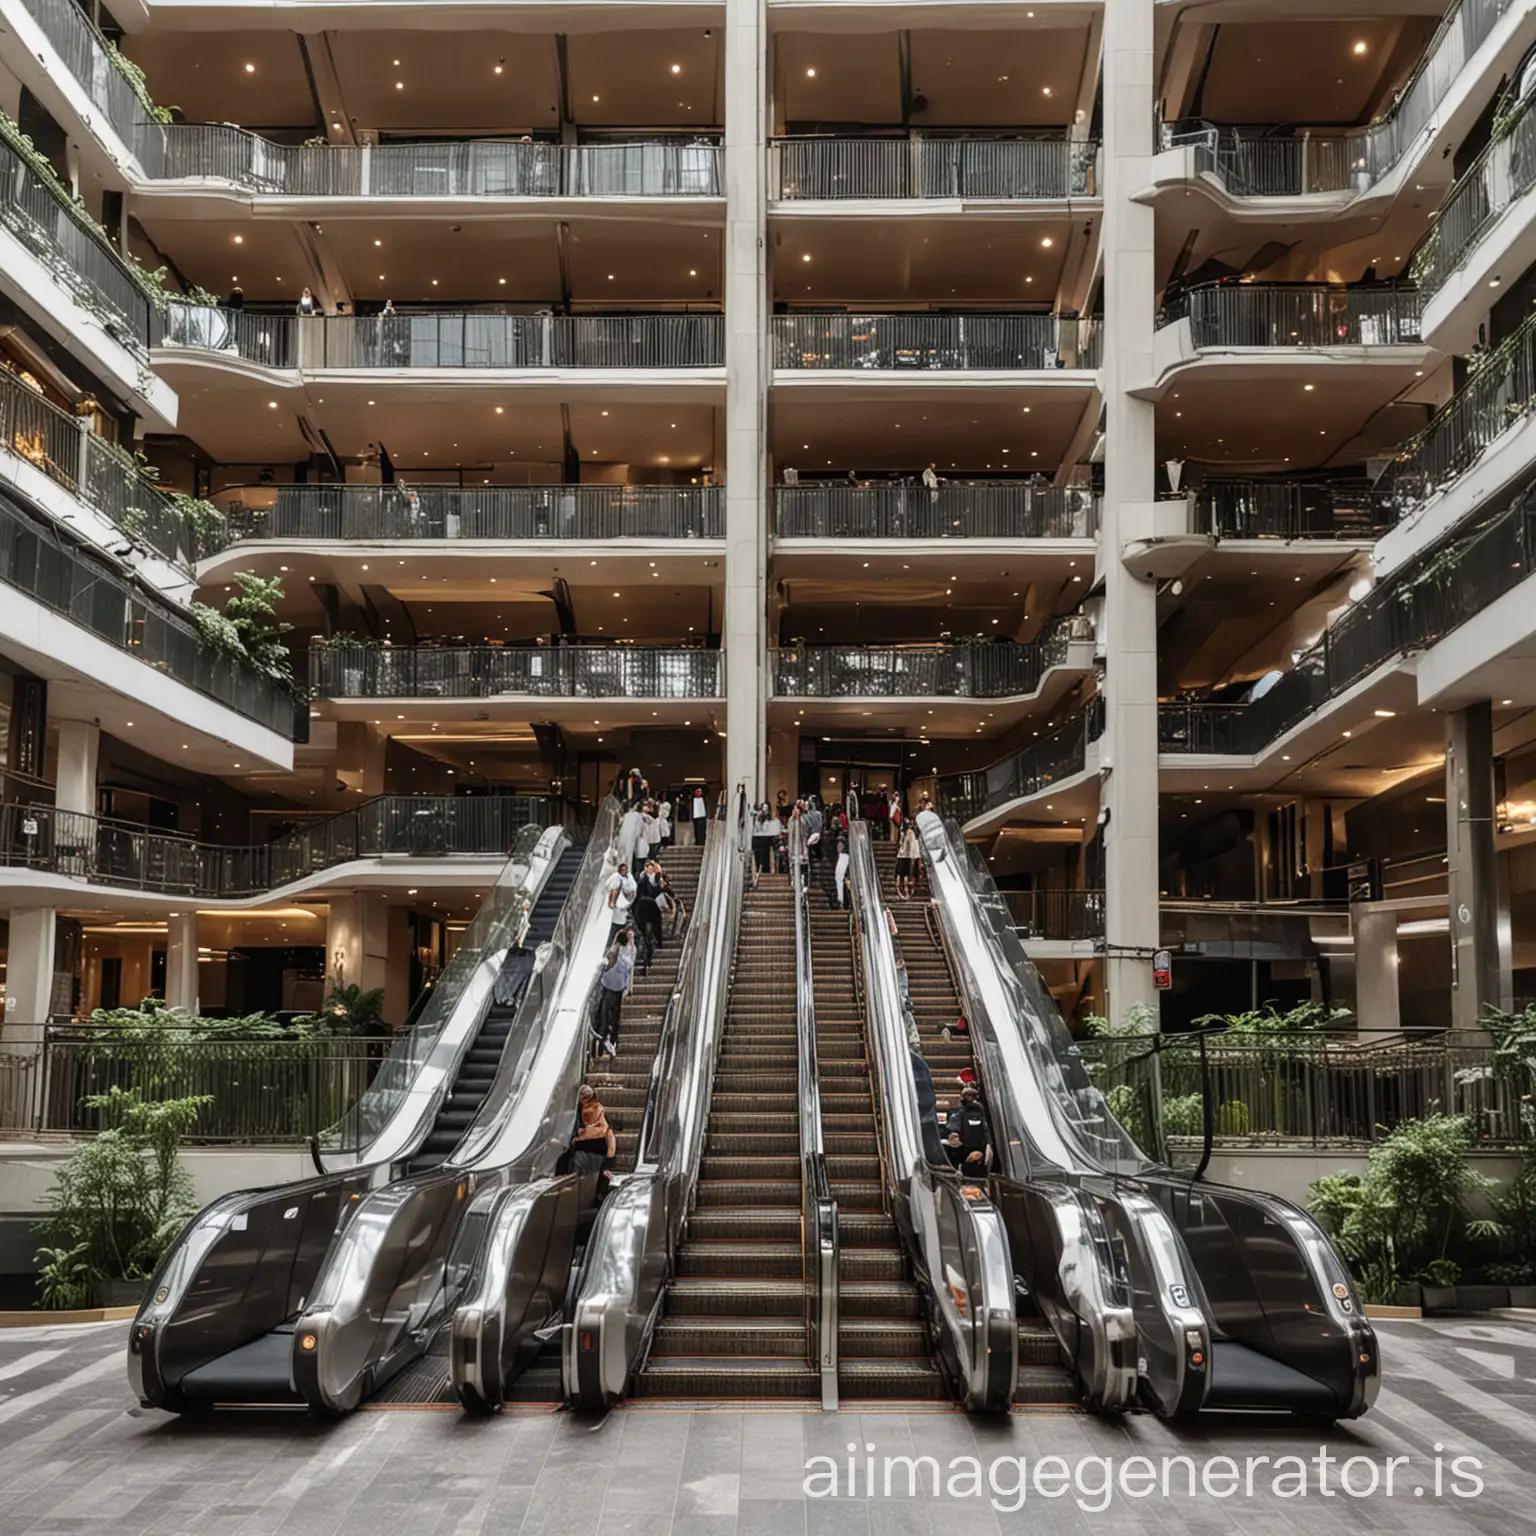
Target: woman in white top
[664, 820]
[650, 832]
[840, 876]
[908, 855]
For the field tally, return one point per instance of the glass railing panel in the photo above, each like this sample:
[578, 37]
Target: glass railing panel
[832, 169]
[1281, 509]
[929, 342]
[1304, 315]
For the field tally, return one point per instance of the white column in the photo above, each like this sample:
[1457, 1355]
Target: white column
[1478, 979]
[75, 772]
[1128, 749]
[357, 941]
[29, 972]
[747, 374]
[1377, 1008]
[181, 984]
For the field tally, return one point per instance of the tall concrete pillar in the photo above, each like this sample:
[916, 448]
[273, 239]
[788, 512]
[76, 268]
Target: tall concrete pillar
[75, 772]
[1128, 750]
[357, 941]
[747, 373]
[181, 983]
[1377, 1008]
[29, 971]
[1477, 977]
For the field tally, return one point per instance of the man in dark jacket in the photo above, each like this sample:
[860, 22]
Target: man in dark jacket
[968, 1121]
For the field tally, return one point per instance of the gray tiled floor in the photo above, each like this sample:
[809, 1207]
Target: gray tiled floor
[77, 1455]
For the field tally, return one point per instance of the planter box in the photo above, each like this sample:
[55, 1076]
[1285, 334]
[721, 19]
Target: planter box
[119, 1293]
[1438, 1298]
[1522, 1295]
[1481, 1298]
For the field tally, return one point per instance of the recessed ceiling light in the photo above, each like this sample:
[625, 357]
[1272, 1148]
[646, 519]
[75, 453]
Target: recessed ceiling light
[239, 239]
[1047, 242]
[399, 85]
[271, 405]
[810, 74]
[250, 69]
[806, 257]
[677, 69]
[1359, 47]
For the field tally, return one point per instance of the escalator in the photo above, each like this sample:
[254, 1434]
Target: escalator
[477, 1071]
[1236, 1299]
[1041, 1379]
[326, 1291]
[732, 1322]
[883, 1348]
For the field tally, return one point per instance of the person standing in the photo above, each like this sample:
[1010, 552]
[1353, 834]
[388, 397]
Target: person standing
[908, 855]
[840, 875]
[648, 913]
[664, 821]
[617, 976]
[765, 838]
[308, 303]
[621, 896]
[968, 1121]
[700, 817]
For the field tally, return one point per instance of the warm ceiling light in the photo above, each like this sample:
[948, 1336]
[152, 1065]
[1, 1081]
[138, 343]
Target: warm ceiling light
[594, 98]
[271, 405]
[500, 409]
[1047, 242]
[399, 85]
[810, 74]
[502, 281]
[496, 70]
[806, 257]
[1045, 90]
[677, 69]
[693, 272]
[250, 69]
[1359, 47]
[378, 242]
[239, 239]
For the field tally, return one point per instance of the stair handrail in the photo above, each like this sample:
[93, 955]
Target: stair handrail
[818, 1206]
[617, 1297]
[952, 1232]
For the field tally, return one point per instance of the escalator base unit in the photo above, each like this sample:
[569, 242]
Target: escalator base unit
[1243, 1378]
[255, 1374]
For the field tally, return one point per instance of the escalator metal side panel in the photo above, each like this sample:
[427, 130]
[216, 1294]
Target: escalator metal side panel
[1276, 1285]
[383, 1291]
[630, 1252]
[956, 1237]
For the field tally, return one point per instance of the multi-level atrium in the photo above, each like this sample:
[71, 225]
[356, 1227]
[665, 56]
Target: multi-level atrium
[1107, 418]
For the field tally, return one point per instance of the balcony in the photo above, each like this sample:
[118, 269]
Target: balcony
[967, 671]
[1258, 510]
[1346, 166]
[70, 455]
[1050, 763]
[917, 343]
[1472, 244]
[932, 169]
[125, 855]
[1057, 915]
[502, 513]
[1011, 509]
[665, 167]
[64, 580]
[433, 340]
[343, 669]
[1296, 315]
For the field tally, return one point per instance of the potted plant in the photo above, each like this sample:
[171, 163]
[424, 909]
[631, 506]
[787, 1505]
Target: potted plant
[117, 1203]
[1437, 1285]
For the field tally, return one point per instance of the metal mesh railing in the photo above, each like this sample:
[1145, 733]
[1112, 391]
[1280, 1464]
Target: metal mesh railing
[998, 671]
[1303, 315]
[1005, 510]
[1498, 395]
[1505, 171]
[100, 850]
[343, 670]
[1057, 756]
[74, 457]
[833, 169]
[1063, 915]
[1290, 509]
[442, 340]
[36, 561]
[1288, 164]
[502, 512]
[64, 240]
[1433, 594]
[924, 341]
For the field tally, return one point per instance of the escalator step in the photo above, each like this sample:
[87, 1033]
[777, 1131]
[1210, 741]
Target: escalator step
[778, 1336]
[762, 1378]
[887, 1379]
[863, 1338]
[729, 1192]
[718, 1260]
[688, 1297]
[1044, 1384]
[879, 1298]
[1037, 1345]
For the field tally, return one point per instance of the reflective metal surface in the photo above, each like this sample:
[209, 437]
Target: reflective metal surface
[953, 1232]
[618, 1295]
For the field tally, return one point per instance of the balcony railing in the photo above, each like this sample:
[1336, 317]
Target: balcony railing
[1505, 171]
[1005, 510]
[1251, 165]
[1498, 395]
[1057, 914]
[40, 563]
[284, 1089]
[503, 512]
[439, 340]
[661, 167]
[958, 343]
[1433, 594]
[1300, 315]
[1004, 170]
[102, 851]
[1308, 1089]
[340, 669]
[78, 255]
[999, 671]
[1287, 509]
[1039, 765]
[76, 458]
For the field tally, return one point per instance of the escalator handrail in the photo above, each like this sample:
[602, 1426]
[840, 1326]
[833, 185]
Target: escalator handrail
[819, 1229]
[955, 1235]
[384, 1288]
[618, 1294]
